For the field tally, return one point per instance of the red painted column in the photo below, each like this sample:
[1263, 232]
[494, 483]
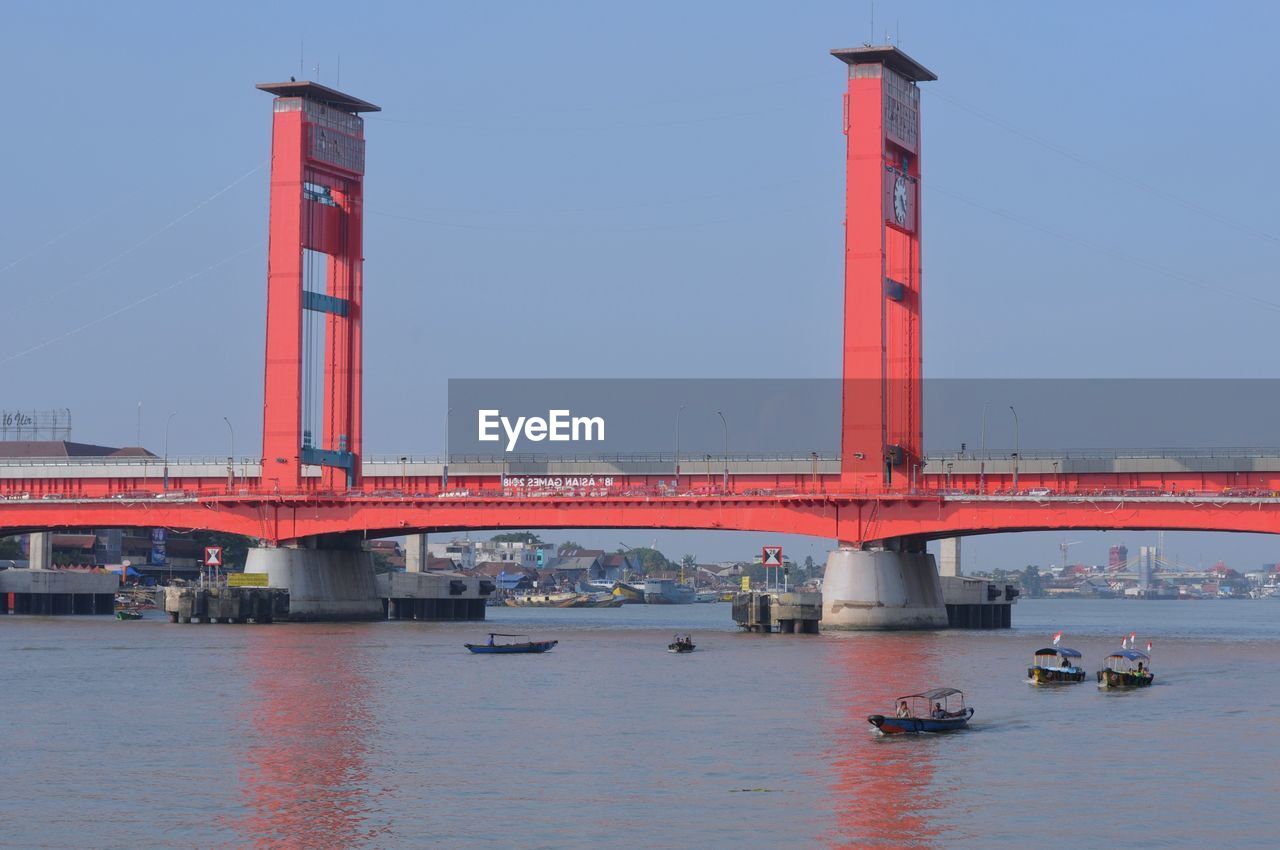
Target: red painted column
[881, 411]
[317, 177]
[282, 382]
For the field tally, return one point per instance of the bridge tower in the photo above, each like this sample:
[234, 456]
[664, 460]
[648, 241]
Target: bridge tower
[891, 584]
[312, 389]
[881, 445]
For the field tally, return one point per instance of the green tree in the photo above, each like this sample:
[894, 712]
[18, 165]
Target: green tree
[1032, 582]
[688, 561]
[10, 549]
[648, 560]
[809, 567]
[527, 537]
[567, 547]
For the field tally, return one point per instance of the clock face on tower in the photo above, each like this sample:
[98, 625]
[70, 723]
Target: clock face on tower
[900, 200]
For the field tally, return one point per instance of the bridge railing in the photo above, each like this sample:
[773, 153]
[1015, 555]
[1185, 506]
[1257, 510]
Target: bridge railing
[932, 463]
[1110, 454]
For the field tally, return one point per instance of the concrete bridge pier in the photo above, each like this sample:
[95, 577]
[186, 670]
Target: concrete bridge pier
[891, 587]
[40, 550]
[328, 577]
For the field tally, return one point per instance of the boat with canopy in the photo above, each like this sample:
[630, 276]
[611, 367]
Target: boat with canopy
[937, 710]
[1055, 665]
[1128, 668]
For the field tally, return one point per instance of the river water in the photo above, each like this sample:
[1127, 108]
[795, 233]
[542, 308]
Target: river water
[147, 734]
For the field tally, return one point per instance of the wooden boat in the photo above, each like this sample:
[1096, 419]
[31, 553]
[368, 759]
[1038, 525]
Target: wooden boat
[543, 600]
[1128, 668]
[628, 593]
[682, 643]
[128, 614]
[1055, 666]
[495, 648]
[938, 710]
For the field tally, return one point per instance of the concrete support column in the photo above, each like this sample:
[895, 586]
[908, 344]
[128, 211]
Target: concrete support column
[330, 578]
[415, 553]
[881, 589]
[949, 557]
[40, 550]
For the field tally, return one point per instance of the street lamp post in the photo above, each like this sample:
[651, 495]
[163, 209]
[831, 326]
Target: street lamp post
[725, 422]
[678, 412]
[982, 464]
[167, 422]
[231, 461]
[1017, 446]
[444, 469]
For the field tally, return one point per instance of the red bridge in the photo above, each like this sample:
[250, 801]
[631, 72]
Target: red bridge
[314, 490]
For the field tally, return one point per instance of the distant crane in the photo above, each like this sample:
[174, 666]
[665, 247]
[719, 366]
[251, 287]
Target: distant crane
[1063, 547]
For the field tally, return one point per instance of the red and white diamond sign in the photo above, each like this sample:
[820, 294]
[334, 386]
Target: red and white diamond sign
[771, 556]
[213, 556]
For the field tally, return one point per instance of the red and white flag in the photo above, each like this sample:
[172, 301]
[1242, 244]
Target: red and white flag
[1057, 636]
[1133, 639]
[1124, 641]
[1148, 646]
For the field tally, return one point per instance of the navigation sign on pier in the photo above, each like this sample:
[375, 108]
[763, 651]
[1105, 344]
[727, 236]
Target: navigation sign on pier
[213, 556]
[771, 556]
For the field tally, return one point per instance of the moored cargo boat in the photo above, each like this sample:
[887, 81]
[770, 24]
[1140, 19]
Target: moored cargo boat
[628, 593]
[542, 600]
[666, 591]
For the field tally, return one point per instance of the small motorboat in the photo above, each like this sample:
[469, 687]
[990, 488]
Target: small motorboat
[128, 614]
[938, 710]
[495, 648]
[1128, 668]
[1055, 666]
[682, 643]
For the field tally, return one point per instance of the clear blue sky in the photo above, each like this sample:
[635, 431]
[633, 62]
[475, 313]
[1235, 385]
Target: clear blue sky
[579, 189]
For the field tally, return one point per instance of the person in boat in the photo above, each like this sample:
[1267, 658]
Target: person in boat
[938, 713]
[903, 710]
[490, 640]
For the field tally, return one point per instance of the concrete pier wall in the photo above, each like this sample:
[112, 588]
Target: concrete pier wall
[225, 604]
[323, 584]
[794, 612]
[57, 592]
[975, 603]
[879, 589]
[433, 596]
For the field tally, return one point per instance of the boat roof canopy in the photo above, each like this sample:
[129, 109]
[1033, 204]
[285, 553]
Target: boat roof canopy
[1131, 654]
[935, 694]
[1059, 650]
[500, 634]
